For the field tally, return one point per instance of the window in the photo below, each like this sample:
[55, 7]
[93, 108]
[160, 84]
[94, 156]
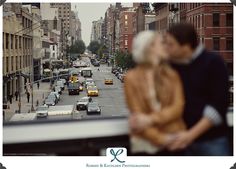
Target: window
[126, 42]
[3, 43]
[126, 16]
[20, 62]
[7, 64]
[216, 19]
[20, 42]
[12, 37]
[229, 19]
[25, 43]
[12, 63]
[16, 63]
[126, 29]
[16, 42]
[229, 43]
[216, 43]
[199, 21]
[126, 23]
[203, 20]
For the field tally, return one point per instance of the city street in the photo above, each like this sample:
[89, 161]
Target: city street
[111, 97]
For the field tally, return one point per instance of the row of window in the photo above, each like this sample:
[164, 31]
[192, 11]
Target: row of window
[16, 42]
[216, 19]
[18, 61]
[64, 11]
[26, 23]
[198, 20]
[194, 5]
[64, 16]
[228, 43]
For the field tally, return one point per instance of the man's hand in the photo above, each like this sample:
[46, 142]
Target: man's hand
[181, 141]
[139, 122]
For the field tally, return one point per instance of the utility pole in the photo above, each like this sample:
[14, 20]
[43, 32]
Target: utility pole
[19, 90]
[32, 70]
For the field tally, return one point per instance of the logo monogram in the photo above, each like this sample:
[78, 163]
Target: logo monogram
[115, 154]
[2, 2]
[1, 166]
[233, 167]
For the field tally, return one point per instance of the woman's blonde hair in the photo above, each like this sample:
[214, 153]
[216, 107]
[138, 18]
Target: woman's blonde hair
[140, 44]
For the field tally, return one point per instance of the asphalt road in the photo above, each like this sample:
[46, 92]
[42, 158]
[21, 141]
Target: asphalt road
[111, 97]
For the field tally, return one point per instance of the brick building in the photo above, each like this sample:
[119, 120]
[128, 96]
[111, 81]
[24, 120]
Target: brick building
[126, 29]
[214, 24]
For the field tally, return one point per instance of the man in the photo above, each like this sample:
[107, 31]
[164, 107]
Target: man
[16, 94]
[38, 85]
[10, 98]
[28, 96]
[205, 81]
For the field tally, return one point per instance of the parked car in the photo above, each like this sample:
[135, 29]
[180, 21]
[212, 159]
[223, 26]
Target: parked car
[57, 95]
[83, 103]
[42, 111]
[93, 108]
[117, 73]
[113, 70]
[54, 97]
[122, 78]
[60, 84]
[50, 102]
[58, 89]
[63, 80]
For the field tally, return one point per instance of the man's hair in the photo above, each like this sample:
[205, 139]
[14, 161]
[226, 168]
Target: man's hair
[184, 33]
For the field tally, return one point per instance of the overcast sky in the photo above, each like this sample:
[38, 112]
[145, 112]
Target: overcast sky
[89, 12]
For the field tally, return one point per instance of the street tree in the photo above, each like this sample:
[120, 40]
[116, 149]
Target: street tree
[78, 47]
[94, 46]
[101, 51]
[124, 60]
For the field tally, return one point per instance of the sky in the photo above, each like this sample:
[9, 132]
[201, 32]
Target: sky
[89, 12]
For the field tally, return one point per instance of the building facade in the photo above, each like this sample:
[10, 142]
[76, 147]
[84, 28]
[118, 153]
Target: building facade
[64, 15]
[17, 48]
[126, 29]
[97, 30]
[214, 24]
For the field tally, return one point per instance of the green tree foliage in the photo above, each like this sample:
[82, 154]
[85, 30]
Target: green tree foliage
[78, 47]
[94, 47]
[124, 60]
[101, 51]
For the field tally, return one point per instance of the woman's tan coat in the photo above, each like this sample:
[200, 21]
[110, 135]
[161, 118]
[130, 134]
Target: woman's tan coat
[169, 93]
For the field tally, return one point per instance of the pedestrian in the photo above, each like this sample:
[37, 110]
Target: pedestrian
[205, 80]
[28, 96]
[10, 98]
[3, 115]
[37, 103]
[38, 85]
[154, 97]
[19, 106]
[16, 94]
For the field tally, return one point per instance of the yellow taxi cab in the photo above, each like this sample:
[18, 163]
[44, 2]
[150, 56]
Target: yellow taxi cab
[92, 91]
[108, 81]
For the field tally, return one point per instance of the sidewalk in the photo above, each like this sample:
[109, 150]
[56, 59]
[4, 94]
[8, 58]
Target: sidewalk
[39, 94]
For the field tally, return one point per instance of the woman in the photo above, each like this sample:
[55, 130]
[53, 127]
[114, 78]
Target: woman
[154, 96]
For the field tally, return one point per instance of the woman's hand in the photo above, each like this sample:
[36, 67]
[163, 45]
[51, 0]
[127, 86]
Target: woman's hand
[139, 122]
[181, 141]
